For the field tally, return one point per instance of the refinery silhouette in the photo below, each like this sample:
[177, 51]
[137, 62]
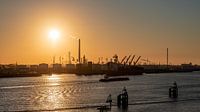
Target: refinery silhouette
[81, 66]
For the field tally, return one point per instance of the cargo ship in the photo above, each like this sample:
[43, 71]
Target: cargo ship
[125, 67]
[112, 68]
[111, 79]
[123, 70]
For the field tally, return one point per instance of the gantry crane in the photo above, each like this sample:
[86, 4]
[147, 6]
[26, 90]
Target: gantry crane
[131, 60]
[127, 60]
[137, 60]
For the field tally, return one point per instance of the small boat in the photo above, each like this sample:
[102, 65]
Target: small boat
[103, 108]
[114, 79]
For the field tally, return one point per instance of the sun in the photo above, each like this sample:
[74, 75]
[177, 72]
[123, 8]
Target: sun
[54, 34]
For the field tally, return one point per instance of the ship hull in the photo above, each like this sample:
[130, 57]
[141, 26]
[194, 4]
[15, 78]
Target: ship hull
[124, 71]
[114, 79]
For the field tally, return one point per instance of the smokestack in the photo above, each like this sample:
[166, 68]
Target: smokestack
[79, 50]
[69, 54]
[167, 57]
[60, 59]
[54, 60]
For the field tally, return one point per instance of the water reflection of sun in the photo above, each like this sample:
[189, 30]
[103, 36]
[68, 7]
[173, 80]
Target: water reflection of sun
[53, 77]
[53, 80]
[54, 95]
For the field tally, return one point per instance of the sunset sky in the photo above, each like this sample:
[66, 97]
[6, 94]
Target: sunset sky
[106, 27]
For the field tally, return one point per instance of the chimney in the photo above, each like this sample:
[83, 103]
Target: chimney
[79, 50]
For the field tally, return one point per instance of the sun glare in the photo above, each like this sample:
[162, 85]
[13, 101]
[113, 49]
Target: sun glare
[54, 34]
[53, 77]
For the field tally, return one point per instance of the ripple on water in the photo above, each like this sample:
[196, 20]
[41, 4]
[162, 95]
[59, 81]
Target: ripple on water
[74, 92]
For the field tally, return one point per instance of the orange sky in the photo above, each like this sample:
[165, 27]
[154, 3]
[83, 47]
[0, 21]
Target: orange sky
[104, 27]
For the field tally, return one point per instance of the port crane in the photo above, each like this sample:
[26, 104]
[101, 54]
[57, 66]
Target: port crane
[146, 60]
[127, 59]
[137, 60]
[131, 60]
[123, 59]
[115, 57]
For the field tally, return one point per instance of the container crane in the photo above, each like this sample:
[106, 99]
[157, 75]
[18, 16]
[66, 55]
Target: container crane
[146, 60]
[127, 59]
[137, 60]
[115, 57]
[131, 60]
[123, 59]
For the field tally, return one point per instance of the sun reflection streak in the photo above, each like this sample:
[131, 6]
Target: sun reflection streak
[53, 77]
[53, 80]
[53, 93]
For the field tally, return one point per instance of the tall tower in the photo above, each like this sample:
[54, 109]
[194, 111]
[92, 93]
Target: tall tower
[69, 57]
[60, 59]
[79, 50]
[54, 58]
[167, 57]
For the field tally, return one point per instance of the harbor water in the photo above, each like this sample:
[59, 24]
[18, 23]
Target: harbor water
[72, 93]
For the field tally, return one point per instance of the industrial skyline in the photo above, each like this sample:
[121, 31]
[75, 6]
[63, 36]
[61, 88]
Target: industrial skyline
[141, 27]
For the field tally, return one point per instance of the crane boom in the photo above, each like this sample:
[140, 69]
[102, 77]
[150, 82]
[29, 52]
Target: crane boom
[127, 59]
[123, 59]
[131, 60]
[137, 60]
